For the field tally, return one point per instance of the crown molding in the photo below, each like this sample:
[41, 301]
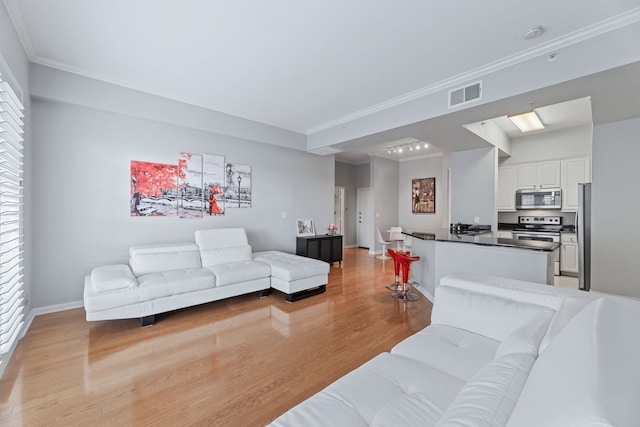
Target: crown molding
[630, 17]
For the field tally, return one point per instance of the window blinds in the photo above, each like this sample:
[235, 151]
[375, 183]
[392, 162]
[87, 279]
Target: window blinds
[11, 217]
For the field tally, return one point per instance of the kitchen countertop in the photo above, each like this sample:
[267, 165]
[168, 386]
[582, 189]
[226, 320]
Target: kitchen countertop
[483, 238]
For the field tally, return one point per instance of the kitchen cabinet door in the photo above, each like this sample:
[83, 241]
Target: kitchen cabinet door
[539, 175]
[569, 253]
[548, 174]
[527, 175]
[574, 171]
[506, 200]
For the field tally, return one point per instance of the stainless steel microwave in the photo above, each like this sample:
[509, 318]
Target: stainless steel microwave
[543, 198]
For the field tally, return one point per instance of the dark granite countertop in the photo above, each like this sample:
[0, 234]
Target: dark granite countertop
[484, 239]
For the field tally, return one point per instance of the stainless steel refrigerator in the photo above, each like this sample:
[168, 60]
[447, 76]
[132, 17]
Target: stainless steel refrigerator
[583, 232]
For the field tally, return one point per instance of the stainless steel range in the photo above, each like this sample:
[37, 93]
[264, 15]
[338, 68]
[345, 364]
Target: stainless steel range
[542, 228]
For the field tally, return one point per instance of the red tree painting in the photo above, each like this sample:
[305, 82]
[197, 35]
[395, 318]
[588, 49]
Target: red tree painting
[154, 189]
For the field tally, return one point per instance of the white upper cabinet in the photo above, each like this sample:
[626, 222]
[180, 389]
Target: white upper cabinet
[574, 171]
[539, 175]
[506, 199]
[549, 174]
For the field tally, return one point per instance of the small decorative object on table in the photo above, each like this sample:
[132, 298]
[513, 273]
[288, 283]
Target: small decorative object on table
[332, 229]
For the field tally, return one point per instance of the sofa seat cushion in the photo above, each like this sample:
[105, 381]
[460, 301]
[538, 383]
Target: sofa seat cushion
[489, 397]
[387, 390]
[455, 351]
[158, 285]
[164, 257]
[240, 271]
[588, 374]
[111, 277]
[290, 267]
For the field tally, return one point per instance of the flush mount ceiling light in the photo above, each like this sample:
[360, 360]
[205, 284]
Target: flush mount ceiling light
[527, 121]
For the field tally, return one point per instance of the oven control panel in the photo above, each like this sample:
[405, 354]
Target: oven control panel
[540, 220]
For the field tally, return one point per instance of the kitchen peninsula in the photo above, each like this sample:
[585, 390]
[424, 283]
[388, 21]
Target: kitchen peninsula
[442, 252]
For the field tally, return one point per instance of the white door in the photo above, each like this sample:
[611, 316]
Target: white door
[365, 219]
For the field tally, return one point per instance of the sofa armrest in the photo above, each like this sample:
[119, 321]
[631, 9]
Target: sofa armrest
[112, 277]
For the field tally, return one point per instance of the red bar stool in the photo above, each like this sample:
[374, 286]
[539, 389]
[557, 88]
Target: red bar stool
[404, 260]
[397, 286]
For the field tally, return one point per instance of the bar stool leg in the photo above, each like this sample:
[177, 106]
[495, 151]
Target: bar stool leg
[405, 295]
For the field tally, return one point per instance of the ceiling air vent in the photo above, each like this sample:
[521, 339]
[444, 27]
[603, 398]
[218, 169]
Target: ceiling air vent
[465, 94]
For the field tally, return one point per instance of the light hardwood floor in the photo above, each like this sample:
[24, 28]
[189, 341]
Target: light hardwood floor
[238, 362]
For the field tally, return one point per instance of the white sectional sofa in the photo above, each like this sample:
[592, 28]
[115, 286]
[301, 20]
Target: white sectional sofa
[498, 352]
[220, 264]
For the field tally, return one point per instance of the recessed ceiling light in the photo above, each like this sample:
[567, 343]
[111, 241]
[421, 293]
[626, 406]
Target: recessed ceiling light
[533, 32]
[527, 121]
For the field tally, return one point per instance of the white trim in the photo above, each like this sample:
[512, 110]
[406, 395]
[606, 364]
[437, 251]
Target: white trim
[627, 18]
[57, 307]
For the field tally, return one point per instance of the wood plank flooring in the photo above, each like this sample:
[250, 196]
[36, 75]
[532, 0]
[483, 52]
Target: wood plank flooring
[238, 362]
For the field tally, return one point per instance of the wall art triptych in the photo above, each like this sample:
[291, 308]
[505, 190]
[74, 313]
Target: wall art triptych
[199, 185]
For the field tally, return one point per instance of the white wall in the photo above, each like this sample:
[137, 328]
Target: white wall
[561, 144]
[363, 175]
[473, 186]
[427, 167]
[384, 191]
[81, 166]
[615, 208]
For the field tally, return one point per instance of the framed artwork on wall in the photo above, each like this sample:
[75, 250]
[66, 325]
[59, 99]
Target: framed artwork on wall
[238, 186]
[213, 184]
[190, 203]
[423, 195]
[305, 227]
[153, 189]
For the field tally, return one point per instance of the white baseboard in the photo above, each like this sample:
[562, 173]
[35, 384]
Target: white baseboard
[56, 308]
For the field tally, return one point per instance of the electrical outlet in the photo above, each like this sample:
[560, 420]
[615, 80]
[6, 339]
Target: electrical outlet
[476, 220]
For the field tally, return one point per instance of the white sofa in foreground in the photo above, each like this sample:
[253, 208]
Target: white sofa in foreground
[220, 264]
[498, 352]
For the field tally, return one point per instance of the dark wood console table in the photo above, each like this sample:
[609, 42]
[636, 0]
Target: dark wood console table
[327, 247]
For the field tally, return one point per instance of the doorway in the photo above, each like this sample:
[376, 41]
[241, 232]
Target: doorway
[365, 219]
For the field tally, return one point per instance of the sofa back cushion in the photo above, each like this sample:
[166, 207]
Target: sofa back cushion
[484, 313]
[489, 397]
[223, 245]
[526, 338]
[165, 257]
[588, 375]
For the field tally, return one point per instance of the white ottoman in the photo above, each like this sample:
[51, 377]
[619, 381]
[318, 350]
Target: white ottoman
[297, 276]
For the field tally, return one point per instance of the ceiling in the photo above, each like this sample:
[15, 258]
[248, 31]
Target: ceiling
[301, 66]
